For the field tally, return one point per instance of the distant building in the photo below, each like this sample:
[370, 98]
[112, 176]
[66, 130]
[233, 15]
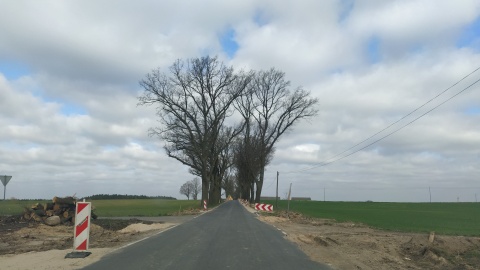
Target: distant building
[301, 199]
[271, 198]
[266, 198]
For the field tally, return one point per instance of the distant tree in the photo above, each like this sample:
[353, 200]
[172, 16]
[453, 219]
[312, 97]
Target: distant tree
[125, 197]
[196, 187]
[229, 185]
[186, 189]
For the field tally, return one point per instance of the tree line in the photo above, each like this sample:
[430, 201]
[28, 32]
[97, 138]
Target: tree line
[223, 123]
[125, 197]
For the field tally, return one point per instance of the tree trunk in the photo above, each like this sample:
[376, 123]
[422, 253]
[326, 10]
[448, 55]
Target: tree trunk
[205, 189]
[259, 185]
[215, 190]
[252, 192]
[258, 192]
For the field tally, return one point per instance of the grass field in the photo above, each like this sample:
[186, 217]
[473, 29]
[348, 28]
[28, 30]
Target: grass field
[443, 218]
[112, 208]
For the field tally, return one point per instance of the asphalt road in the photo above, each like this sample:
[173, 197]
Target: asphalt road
[228, 237]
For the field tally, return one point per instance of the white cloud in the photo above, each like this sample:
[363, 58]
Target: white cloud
[72, 121]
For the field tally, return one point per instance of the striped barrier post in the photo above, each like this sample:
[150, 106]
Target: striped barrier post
[264, 207]
[205, 205]
[81, 232]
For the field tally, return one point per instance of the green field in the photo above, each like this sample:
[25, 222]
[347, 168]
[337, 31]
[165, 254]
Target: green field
[112, 208]
[443, 218]
[144, 207]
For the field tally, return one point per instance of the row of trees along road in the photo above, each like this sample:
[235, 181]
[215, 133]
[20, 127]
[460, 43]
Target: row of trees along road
[199, 102]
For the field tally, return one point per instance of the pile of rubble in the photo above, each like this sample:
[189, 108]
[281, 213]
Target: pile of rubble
[59, 211]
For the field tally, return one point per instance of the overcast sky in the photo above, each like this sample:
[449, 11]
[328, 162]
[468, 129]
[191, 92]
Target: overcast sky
[69, 72]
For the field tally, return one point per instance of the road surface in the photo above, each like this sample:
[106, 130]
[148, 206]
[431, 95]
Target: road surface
[228, 237]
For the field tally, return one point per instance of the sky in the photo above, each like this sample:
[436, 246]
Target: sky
[69, 73]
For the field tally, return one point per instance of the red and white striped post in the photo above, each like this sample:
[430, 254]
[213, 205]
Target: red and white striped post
[81, 232]
[205, 205]
[82, 226]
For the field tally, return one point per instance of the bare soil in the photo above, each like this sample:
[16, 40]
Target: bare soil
[31, 245]
[19, 236]
[356, 246]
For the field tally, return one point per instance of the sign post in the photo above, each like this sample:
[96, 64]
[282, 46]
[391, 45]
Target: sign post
[289, 198]
[5, 179]
[81, 232]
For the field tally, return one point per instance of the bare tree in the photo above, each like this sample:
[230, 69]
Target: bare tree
[186, 189]
[193, 101]
[274, 110]
[196, 187]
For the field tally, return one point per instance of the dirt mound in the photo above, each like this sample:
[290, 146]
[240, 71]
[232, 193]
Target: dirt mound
[445, 252]
[356, 246]
[20, 236]
[118, 224]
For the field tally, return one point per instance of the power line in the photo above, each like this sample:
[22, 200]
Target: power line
[327, 162]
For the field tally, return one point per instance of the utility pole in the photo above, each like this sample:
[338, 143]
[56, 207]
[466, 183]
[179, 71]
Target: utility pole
[323, 194]
[276, 197]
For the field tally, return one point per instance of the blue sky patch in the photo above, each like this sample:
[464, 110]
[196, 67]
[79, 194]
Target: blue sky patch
[66, 108]
[260, 19]
[229, 45]
[70, 109]
[373, 50]
[13, 70]
[470, 35]
[473, 111]
[346, 7]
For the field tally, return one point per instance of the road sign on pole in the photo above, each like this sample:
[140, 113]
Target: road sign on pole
[5, 179]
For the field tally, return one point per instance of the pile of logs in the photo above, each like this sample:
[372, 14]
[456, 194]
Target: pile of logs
[59, 211]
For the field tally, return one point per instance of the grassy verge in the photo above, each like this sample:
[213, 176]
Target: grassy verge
[443, 218]
[114, 208]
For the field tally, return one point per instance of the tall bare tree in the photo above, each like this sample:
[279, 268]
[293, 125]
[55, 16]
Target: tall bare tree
[193, 101]
[274, 109]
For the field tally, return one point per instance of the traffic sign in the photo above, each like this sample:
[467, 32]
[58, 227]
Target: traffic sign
[264, 207]
[5, 179]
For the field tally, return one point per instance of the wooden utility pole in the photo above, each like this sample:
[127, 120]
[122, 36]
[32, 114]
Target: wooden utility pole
[276, 197]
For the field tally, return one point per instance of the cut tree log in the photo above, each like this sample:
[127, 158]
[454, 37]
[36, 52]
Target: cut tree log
[27, 213]
[65, 200]
[36, 217]
[37, 206]
[61, 208]
[40, 212]
[48, 206]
